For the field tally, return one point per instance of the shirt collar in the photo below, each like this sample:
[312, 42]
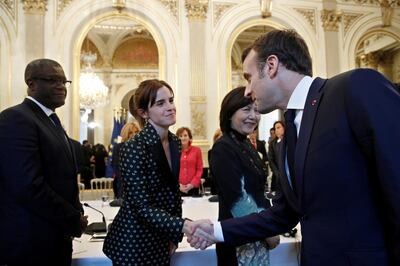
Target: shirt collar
[298, 98]
[46, 110]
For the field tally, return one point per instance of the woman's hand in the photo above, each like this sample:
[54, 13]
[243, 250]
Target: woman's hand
[172, 248]
[185, 188]
[273, 242]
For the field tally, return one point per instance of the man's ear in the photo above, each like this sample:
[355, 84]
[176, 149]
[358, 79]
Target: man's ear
[143, 113]
[272, 63]
[31, 86]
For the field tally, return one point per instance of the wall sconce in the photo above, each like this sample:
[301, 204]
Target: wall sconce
[266, 7]
[119, 4]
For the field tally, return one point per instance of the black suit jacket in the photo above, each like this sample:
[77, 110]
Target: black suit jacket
[39, 203]
[348, 176]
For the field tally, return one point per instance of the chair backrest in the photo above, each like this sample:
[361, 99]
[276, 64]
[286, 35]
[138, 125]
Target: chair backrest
[101, 187]
[101, 183]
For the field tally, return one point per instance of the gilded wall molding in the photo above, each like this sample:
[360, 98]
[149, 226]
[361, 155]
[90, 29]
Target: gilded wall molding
[35, 6]
[309, 15]
[61, 5]
[331, 19]
[349, 19]
[173, 8]
[10, 6]
[393, 3]
[196, 9]
[198, 117]
[219, 9]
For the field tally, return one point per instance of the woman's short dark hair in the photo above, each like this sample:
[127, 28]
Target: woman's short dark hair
[288, 46]
[232, 102]
[182, 129]
[145, 96]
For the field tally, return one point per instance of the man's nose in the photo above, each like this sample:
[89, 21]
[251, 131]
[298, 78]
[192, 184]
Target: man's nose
[248, 92]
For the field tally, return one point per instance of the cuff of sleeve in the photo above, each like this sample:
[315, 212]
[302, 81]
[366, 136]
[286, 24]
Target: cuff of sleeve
[219, 236]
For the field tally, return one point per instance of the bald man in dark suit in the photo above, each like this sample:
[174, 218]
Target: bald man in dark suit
[39, 204]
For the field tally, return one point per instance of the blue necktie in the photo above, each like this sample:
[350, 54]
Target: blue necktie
[291, 140]
[59, 128]
[56, 120]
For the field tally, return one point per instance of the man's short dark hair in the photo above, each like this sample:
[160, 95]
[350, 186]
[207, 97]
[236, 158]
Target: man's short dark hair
[246, 52]
[288, 46]
[35, 67]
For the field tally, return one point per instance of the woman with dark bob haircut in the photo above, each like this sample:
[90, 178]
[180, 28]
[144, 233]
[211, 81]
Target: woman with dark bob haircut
[240, 176]
[149, 225]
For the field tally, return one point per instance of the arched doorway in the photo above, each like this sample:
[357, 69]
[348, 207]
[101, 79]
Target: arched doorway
[242, 41]
[76, 22]
[125, 54]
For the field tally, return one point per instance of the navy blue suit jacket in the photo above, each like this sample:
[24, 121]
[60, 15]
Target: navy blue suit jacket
[347, 177]
[39, 203]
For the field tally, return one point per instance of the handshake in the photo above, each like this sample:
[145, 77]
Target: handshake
[200, 233]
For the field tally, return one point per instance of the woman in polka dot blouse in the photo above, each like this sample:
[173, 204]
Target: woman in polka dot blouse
[148, 226]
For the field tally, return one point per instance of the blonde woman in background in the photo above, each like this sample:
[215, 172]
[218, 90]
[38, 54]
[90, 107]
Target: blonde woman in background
[127, 132]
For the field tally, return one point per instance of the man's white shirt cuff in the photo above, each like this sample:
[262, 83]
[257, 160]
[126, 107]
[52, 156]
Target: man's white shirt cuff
[219, 236]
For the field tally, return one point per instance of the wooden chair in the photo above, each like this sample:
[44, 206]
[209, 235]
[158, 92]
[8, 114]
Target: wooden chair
[101, 187]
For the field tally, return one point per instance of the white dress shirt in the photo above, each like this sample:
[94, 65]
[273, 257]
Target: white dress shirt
[46, 110]
[297, 101]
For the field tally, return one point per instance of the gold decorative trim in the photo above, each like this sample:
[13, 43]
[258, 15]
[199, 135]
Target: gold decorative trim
[330, 19]
[349, 19]
[219, 9]
[61, 5]
[199, 126]
[387, 9]
[10, 7]
[35, 6]
[393, 3]
[196, 9]
[172, 6]
[198, 99]
[309, 14]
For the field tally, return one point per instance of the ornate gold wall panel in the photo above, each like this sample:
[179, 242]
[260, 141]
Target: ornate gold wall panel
[196, 9]
[61, 5]
[309, 14]
[219, 9]
[173, 8]
[331, 19]
[349, 19]
[35, 6]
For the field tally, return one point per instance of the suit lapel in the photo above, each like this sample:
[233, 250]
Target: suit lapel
[47, 122]
[307, 123]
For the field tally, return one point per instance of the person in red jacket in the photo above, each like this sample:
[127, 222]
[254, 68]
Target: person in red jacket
[191, 164]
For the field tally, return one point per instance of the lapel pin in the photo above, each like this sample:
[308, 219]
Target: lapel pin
[314, 102]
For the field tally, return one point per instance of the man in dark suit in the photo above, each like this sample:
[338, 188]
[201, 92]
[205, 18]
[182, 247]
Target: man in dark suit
[341, 178]
[39, 206]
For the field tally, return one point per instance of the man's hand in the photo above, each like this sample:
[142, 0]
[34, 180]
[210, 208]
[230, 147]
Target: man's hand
[84, 222]
[273, 242]
[203, 235]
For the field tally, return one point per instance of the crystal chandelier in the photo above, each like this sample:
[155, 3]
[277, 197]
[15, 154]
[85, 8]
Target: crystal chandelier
[92, 91]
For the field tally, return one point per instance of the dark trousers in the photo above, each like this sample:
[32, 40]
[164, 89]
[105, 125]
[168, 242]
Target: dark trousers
[226, 255]
[60, 254]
